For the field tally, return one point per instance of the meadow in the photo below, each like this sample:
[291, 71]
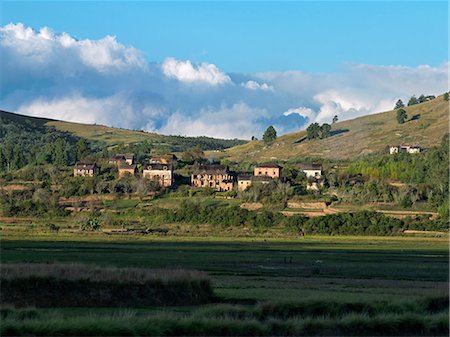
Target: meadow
[263, 286]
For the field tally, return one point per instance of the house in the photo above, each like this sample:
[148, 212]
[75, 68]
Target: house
[311, 170]
[162, 173]
[125, 169]
[84, 169]
[217, 177]
[121, 158]
[270, 170]
[404, 148]
[244, 181]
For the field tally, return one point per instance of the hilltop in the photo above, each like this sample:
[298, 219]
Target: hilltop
[115, 136]
[427, 123]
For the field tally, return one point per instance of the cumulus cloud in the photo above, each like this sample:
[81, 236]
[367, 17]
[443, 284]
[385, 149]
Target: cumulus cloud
[45, 50]
[117, 110]
[49, 74]
[236, 121]
[253, 85]
[185, 71]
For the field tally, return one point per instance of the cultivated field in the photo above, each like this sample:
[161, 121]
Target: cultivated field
[320, 285]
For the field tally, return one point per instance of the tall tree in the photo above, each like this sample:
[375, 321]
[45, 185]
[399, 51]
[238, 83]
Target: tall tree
[401, 116]
[413, 100]
[399, 104]
[325, 130]
[270, 135]
[335, 119]
[313, 131]
[82, 148]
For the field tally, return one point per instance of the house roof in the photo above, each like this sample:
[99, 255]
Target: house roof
[85, 166]
[244, 177]
[212, 169]
[408, 145]
[122, 156]
[311, 167]
[126, 167]
[269, 165]
[261, 178]
[158, 166]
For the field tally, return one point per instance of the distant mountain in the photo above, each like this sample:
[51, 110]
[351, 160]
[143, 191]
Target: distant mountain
[115, 136]
[426, 125]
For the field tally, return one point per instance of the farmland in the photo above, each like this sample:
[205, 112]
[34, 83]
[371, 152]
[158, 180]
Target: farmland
[248, 271]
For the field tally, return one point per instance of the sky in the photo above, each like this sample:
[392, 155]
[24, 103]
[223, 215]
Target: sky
[223, 69]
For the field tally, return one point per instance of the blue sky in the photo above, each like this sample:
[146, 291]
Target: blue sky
[223, 69]
[256, 36]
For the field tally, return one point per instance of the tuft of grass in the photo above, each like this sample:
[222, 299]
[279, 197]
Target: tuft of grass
[56, 285]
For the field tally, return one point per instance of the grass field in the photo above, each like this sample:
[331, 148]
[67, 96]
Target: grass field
[353, 138]
[384, 272]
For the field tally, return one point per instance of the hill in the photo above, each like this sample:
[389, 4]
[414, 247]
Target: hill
[115, 136]
[427, 123]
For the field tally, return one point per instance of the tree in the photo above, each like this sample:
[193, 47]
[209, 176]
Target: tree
[82, 148]
[335, 119]
[325, 131]
[399, 104]
[313, 131]
[413, 100]
[401, 116]
[270, 135]
[193, 155]
[446, 96]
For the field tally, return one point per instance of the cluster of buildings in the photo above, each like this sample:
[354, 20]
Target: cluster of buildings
[217, 177]
[157, 168]
[404, 148]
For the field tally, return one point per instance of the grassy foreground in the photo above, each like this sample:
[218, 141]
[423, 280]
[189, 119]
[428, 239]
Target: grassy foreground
[76, 285]
[326, 286]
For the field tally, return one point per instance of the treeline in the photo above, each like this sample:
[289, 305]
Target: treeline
[357, 223]
[29, 142]
[413, 100]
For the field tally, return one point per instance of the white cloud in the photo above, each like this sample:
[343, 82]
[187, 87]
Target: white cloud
[253, 85]
[50, 74]
[185, 71]
[43, 49]
[302, 111]
[118, 110]
[236, 121]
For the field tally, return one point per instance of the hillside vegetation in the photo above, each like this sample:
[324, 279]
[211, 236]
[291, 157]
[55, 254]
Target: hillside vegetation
[426, 125]
[115, 136]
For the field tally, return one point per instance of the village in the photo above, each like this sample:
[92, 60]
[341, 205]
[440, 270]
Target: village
[160, 169]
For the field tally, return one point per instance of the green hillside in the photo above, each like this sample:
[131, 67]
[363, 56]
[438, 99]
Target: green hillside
[114, 136]
[427, 123]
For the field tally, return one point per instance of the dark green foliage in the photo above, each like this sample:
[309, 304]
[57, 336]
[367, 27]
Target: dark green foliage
[359, 223]
[25, 141]
[445, 96]
[269, 135]
[422, 98]
[399, 104]
[307, 318]
[426, 173]
[413, 100]
[316, 131]
[335, 119]
[401, 116]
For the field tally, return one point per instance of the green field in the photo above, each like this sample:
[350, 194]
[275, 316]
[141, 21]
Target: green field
[261, 269]
[383, 276]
